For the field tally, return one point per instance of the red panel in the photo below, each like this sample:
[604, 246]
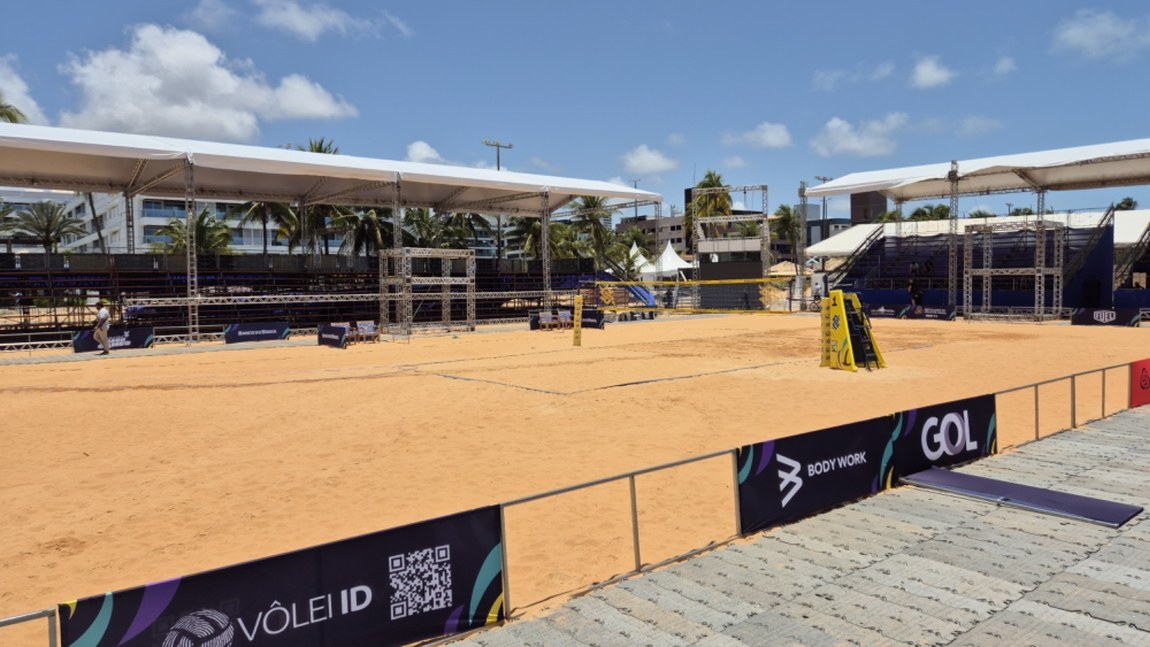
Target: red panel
[1140, 383]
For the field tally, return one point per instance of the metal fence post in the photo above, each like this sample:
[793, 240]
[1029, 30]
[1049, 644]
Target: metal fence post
[635, 525]
[1103, 393]
[1073, 402]
[52, 629]
[503, 555]
[735, 484]
[1036, 412]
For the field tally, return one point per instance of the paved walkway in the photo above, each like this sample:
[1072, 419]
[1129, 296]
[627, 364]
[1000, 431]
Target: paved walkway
[909, 566]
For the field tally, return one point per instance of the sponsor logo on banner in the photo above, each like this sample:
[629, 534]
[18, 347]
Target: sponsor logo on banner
[946, 434]
[1140, 383]
[118, 338]
[430, 579]
[334, 336]
[788, 478]
[266, 331]
[1105, 316]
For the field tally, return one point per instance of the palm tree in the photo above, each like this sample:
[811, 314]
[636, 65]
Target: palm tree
[96, 221]
[1126, 204]
[890, 216]
[318, 217]
[642, 239]
[265, 213]
[748, 229]
[565, 241]
[463, 229]
[424, 228]
[11, 113]
[45, 222]
[213, 236]
[365, 230]
[707, 204]
[980, 213]
[526, 234]
[930, 212]
[593, 218]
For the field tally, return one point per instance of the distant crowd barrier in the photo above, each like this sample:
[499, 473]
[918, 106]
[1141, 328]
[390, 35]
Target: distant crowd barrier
[334, 336]
[450, 575]
[267, 331]
[1105, 316]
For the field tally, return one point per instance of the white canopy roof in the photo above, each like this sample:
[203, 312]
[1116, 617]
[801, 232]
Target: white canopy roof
[668, 263]
[1085, 167]
[81, 160]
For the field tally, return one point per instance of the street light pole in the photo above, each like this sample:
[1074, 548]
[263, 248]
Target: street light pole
[824, 229]
[499, 146]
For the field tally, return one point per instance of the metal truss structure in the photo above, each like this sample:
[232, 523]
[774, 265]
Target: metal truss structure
[762, 218]
[1040, 271]
[396, 280]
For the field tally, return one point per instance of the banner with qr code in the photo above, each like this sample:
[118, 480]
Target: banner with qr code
[429, 579]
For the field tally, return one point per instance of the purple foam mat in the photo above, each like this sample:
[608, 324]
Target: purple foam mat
[1074, 506]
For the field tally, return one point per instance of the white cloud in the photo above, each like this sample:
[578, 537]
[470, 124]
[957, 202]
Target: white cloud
[16, 92]
[676, 139]
[399, 25]
[765, 135]
[1004, 66]
[421, 151]
[976, 125]
[735, 161]
[211, 15]
[312, 21]
[868, 139]
[929, 73]
[175, 82]
[645, 160]
[1097, 35]
[830, 79]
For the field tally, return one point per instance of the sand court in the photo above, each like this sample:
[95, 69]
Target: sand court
[116, 472]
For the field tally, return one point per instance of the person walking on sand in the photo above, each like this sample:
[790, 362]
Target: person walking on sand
[103, 323]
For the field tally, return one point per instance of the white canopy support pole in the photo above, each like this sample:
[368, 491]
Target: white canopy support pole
[952, 240]
[545, 247]
[190, 253]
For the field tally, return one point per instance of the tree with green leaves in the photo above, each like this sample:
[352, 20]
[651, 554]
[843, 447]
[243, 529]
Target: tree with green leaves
[786, 225]
[213, 236]
[424, 228]
[11, 113]
[593, 220]
[980, 213]
[266, 214]
[641, 239]
[318, 218]
[930, 212]
[91, 200]
[366, 230]
[1022, 211]
[462, 230]
[1126, 204]
[706, 205]
[889, 216]
[45, 222]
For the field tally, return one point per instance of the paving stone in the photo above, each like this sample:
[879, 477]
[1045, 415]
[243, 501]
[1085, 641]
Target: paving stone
[682, 628]
[838, 629]
[801, 538]
[770, 628]
[896, 622]
[1026, 572]
[1134, 578]
[1084, 595]
[704, 595]
[1027, 622]
[525, 633]
[835, 563]
[712, 618]
[867, 540]
[920, 597]
[954, 579]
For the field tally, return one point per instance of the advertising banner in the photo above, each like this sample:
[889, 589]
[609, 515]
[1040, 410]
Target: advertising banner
[941, 313]
[1105, 316]
[433, 578]
[880, 311]
[334, 336]
[1140, 383]
[788, 478]
[946, 434]
[265, 331]
[84, 342]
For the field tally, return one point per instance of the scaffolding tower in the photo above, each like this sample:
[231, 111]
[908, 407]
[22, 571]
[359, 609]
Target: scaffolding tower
[1042, 229]
[397, 283]
[763, 240]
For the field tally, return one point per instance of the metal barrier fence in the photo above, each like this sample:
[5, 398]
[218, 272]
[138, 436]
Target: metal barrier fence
[1071, 380]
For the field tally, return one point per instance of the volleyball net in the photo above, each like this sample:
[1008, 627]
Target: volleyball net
[761, 295]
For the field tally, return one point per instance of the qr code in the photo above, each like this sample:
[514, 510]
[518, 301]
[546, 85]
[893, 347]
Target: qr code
[420, 581]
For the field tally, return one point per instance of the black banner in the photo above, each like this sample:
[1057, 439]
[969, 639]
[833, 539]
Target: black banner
[266, 331]
[873, 311]
[1105, 317]
[930, 312]
[434, 578]
[787, 478]
[945, 434]
[84, 342]
[334, 336]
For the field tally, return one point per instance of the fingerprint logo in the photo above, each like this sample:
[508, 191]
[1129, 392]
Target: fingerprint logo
[204, 628]
[1144, 380]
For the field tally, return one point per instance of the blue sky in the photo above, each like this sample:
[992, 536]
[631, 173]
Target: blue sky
[658, 91]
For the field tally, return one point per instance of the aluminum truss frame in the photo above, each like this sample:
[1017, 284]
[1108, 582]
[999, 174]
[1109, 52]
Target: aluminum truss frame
[725, 219]
[1040, 270]
[395, 271]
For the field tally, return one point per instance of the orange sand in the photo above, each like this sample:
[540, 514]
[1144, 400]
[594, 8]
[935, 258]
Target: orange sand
[121, 471]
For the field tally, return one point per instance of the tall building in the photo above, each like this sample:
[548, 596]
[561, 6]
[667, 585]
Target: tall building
[661, 231]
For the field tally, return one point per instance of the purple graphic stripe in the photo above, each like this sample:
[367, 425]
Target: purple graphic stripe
[157, 597]
[452, 625]
[765, 457]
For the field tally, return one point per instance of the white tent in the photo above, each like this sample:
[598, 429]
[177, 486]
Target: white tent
[637, 257]
[668, 264]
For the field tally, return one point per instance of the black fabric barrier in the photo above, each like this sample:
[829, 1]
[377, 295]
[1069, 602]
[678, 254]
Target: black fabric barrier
[945, 434]
[1105, 317]
[433, 578]
[788, 478]
[334, 336]
[84, 342]
[266, 331]
[591, 319]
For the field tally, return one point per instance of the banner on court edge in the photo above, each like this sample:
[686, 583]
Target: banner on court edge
[265, 331]
[84, 342]
[946, 434]
[1105, 316]
[1140, 383]
[433, 578]
[334, 336]
[788, 478]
